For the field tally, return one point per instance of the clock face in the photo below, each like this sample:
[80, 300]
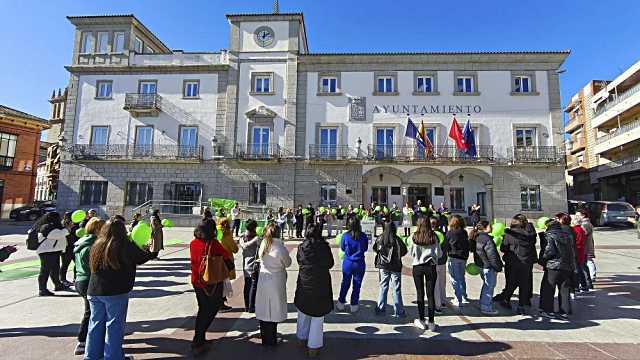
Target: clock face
[264, 36]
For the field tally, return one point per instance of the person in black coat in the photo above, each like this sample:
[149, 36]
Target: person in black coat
[519, 249]
[314, 295]
[457, 246]
[309, 218]
[559, 262]
[389, 250]
[299, 221]
[67, 256]
[486, 257]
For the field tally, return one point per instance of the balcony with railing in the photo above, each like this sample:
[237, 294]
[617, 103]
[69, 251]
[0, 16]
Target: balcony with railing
[535, 154]
[574, 123]
[615, 167]
[260, 152]
[129, 152]
[623, 135]
[578, 143]
[143, 104]
[334, 152]
[618, 105]
[440, 154]
[179, 58]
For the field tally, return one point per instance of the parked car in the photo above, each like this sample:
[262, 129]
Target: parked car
[32, 212]
[611, 212]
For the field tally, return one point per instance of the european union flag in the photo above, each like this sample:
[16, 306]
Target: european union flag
[469, 139]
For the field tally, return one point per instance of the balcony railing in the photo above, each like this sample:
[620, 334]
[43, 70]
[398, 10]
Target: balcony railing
[334, 152]
[136, 152]
[621, 97]
[443, 153]
[142, 103]
[259, 151]
[535, 154]
[576, 121]
[619, 131]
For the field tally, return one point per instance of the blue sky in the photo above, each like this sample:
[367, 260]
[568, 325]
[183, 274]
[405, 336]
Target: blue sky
[36, 39]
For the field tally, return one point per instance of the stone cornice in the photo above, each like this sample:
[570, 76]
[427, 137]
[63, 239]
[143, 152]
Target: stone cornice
[161, 69]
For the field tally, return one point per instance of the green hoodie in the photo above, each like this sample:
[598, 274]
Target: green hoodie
[81, 252]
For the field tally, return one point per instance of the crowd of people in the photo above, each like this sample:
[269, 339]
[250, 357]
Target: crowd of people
[105, 263]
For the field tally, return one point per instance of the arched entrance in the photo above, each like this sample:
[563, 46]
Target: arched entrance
[382, 185]
[425, 184]
[468, 186]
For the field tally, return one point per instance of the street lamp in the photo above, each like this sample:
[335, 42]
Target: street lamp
[461, 178]
[214, 145]
[358, 145]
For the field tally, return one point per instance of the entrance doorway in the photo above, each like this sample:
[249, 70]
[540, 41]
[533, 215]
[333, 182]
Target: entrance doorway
[184, 197]
[379, 195]
[422, 193]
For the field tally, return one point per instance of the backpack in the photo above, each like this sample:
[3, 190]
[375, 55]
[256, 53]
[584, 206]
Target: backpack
[32, 240]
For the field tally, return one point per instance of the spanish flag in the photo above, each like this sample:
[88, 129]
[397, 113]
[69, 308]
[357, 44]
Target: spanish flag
[428, 146]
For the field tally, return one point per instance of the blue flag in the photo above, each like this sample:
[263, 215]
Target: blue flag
[412, 132]
[469, 139]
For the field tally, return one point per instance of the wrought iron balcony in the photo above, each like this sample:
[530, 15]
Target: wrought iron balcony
[334, 152]
[536, 154]
[135, 152]
[441, 153]
[143, 104]
[259, 151]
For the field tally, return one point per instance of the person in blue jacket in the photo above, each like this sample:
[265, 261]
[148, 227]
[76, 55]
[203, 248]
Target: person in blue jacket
[354, 245]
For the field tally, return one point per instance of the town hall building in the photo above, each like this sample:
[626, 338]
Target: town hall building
[271, 123]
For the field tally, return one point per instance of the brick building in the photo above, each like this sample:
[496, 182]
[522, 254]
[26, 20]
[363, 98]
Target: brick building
[19, 155]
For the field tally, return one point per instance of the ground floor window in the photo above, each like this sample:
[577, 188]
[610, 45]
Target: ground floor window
[138, 193]
[257, 193]
[328, 194]
[456, 197]
[530, 197]
[93, 192]
[482, 201]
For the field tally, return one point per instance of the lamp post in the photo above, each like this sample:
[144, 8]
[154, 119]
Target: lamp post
[214, 145]
[358, 146]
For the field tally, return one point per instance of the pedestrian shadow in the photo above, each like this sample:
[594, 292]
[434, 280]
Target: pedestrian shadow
[157, 283]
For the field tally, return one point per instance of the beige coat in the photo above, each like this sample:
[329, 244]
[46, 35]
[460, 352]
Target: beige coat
[157, 242]
[271, 297]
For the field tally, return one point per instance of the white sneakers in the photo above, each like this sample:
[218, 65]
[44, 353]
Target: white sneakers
[422, 325]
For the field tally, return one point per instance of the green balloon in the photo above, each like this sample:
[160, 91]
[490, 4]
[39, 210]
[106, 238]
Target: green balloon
[498, 241]
[259, 231]
[498, 229]
[219, 234]
[141, 234]
[321, 209]
[440, 237]
[334, 211]
[305, 212]
[80, 232]
[542, 223]
[167, 223]
[423, 209]
[385, 210]
[77, 216]
[376, 209]
[344, 211]
[339, 238]
[472, 269]
[341, 255]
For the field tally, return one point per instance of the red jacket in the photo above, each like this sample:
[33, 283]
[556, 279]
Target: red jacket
[197, 249]
[581, 252]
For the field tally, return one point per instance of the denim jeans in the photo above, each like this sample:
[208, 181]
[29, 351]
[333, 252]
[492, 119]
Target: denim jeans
[458, 282]
[396, 277]
[489, 277]
[106, 327]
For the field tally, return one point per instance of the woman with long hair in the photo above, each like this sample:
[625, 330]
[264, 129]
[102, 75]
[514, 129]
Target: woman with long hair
[457, 246]
[82, 252]
[314, 297]
[52, 237]
[354, 245]
[271, 297]
[389, 250]
[67, 256]
[209, 297]
[487, 258]
[113, 262]
[250, 242]
[425, 252]
[440, 291]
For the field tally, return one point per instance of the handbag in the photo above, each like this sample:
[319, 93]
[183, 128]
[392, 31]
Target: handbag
[213, 268]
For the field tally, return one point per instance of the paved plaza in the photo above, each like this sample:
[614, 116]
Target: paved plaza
[606, 323]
